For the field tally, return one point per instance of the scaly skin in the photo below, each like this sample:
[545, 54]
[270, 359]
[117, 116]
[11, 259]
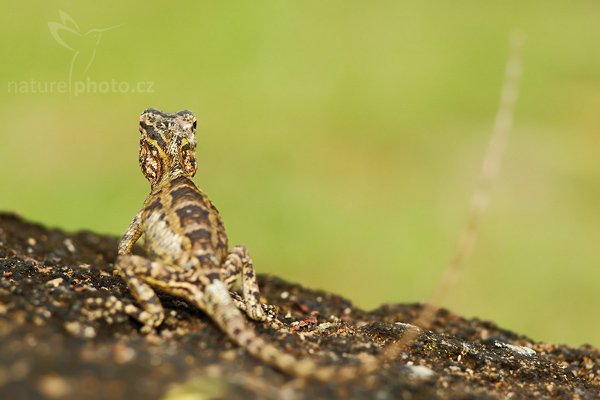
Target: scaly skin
[187, 247]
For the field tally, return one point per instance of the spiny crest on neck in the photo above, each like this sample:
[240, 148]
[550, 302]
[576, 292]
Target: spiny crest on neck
[167, 144]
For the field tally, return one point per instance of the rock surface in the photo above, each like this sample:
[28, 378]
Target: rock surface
[55, 344]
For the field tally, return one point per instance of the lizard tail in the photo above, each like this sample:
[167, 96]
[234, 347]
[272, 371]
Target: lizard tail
[234, 323]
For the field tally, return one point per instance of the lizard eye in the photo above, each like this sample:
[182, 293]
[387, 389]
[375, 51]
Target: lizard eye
[194, 125]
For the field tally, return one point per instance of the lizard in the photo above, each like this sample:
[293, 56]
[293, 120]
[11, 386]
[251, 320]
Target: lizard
[188, 255]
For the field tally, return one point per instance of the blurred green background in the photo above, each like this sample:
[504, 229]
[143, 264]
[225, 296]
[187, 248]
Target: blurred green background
[340, 140]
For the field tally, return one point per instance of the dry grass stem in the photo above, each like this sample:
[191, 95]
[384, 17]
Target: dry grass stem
[481, 195]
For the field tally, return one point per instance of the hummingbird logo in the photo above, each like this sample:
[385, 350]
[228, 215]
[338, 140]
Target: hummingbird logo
[83, 45]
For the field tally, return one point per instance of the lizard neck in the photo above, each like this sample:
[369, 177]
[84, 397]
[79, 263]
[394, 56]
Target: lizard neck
[167, 178]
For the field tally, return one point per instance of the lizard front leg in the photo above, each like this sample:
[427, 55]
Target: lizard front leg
[239, 264]
[133, 233]
[133, 269]
[151, 314]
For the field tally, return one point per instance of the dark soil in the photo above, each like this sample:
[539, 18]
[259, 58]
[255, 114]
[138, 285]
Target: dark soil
[55, 344]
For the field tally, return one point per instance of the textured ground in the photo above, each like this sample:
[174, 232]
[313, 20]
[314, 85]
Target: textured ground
[55, 344]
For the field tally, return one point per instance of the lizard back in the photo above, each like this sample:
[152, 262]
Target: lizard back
[183, 227]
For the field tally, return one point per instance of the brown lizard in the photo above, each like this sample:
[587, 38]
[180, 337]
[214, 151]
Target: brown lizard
[188, 254]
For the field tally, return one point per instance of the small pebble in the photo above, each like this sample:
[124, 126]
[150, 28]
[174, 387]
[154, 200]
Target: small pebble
[75, 328]
[408, 327]
[55, 282]
[522, 350]
[69, 245]
[123, 354]
[229, 355]
[421, 371]
[89, 332]
[54, 386]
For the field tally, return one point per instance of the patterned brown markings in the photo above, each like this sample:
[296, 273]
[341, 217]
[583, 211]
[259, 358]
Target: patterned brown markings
[155, 205]
[182, 180]
[176, 287]
[200, 235]
[212, 276]
[201, 213]
[184, 190]
[154, 134]
[188, 159]
[220, 239]
[150, 162]
[208, 259]
[192, 214]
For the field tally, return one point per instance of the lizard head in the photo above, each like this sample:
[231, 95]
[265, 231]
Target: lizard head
[167, 144]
